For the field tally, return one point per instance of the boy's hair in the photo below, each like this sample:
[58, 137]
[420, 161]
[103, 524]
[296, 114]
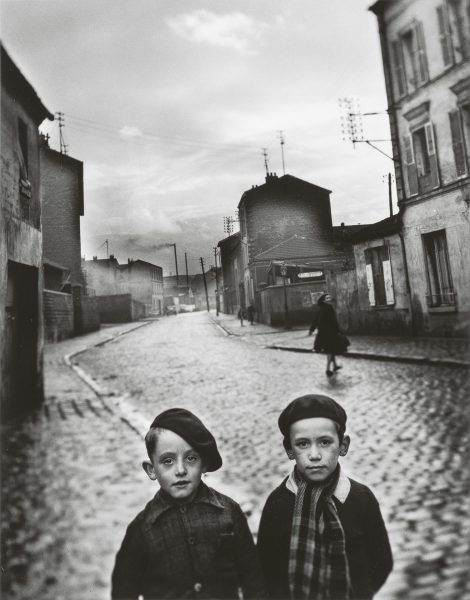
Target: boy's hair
[340, 430]
[311, 406]
[185, 424]
[151, 439]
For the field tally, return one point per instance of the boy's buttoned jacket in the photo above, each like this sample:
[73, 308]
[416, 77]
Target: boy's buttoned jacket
[203, 549]
[367, 545]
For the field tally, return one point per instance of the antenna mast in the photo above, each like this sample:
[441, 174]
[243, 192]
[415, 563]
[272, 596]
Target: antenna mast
[60, 118]
[281, 137]
[265, 154]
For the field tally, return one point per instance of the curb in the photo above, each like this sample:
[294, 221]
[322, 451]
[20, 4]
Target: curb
[422, 360]
[81, 373]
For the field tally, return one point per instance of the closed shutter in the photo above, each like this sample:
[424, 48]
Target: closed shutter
[432, 154]
[370, 277]
[399, 68]
[458, 143]
[445, 35]
[410, 165]
[387, 274]
[422, 60]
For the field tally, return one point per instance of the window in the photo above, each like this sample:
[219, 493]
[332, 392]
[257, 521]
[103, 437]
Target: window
[379, 276]
[454, 23]
[414, 56]
[421, 160]
[439, 278]
[23, 148]
[458, 141]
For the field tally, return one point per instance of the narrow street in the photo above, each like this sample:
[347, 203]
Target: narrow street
[72, 475]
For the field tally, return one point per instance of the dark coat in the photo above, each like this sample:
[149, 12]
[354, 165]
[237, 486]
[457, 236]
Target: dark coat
[203, 549]
[367, 546]
[329, 337]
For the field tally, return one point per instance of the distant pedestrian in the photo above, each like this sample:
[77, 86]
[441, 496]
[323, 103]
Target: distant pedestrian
[329, 338]
[321, 535]
[190, 541]
[241, 315]
[250, 312]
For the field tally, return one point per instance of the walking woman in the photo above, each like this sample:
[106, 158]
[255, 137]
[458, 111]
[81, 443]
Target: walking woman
[329, 338]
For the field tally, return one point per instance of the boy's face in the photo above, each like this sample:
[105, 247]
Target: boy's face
[315, 447]
[176, 466]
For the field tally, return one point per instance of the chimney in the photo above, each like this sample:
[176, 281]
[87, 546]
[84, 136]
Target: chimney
[95, 258]
[111, 257]
[270, 177]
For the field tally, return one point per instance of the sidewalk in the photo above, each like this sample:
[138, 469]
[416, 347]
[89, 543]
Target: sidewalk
[454, 352]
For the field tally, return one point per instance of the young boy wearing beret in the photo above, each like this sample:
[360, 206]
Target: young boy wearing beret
[190, 541]
[321, 534]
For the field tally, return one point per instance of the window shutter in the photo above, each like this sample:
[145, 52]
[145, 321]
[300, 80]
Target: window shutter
[387, 273]
[458, 144]
[445, 35]
[370, 277]
[410, 165]
[399, 68]
[422, 60]
[432, 154]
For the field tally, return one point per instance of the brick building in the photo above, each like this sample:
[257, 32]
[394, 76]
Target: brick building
[426, 57]
[63, 205]
[286, 240]
[21, 278]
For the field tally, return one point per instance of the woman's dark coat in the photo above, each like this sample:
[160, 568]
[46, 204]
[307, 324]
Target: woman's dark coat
[329, 337]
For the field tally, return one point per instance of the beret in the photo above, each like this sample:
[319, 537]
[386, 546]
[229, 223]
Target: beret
[185, 424]
[311, 405]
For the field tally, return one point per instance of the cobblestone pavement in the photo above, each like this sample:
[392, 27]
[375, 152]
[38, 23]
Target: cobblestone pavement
[419, 349]
[72, 478]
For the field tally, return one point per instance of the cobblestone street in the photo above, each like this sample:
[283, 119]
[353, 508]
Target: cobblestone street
[72, 478]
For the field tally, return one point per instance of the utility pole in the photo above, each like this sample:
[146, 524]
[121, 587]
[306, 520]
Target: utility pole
[186, 263]
[176, 265]
[217, 301]
[388, 178]
[107, 248]
[281, 137]
[205, 284]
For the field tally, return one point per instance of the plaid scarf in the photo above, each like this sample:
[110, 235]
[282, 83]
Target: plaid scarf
[318, 565]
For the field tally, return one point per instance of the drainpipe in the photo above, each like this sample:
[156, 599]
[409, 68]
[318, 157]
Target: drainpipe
[408, 287]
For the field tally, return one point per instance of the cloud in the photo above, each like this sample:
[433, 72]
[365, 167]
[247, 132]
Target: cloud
[235, 30]
[130, 131]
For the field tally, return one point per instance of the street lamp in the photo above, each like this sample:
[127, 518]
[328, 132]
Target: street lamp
[287, 325]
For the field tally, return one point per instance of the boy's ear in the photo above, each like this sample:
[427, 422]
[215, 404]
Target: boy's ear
[344, 446]
[148, 468]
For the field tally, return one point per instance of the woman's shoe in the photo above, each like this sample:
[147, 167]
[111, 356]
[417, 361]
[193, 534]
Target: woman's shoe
[329, 373]
[337, 367]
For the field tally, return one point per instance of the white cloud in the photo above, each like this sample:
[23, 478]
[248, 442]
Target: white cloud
[130, 131]
[235, 30]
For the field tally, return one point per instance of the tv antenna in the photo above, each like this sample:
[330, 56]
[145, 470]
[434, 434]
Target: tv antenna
[282, 139]
[265, 154]
[60, 118]
[352, 126]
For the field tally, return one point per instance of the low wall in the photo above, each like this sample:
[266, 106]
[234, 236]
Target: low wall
[119, 308]
[58, 316]
[301, 303]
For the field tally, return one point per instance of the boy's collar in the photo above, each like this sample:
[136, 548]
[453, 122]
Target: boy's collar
[340, 492]
[162, 502]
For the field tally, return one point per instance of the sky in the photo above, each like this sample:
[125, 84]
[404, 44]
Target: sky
[169, 105]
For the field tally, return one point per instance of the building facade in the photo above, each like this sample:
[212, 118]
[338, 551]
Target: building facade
[426, 57]
[144, 281]
[21, 278]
